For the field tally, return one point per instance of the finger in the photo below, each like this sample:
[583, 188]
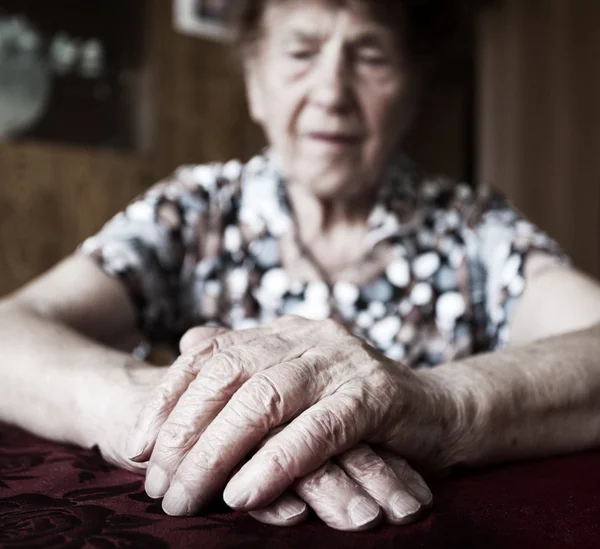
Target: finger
[206, 396]
[247, 350]
[195, 336]
[167, 393]
[288, 510]
[413, 481]
[266, 400]
[329, 428]
[393, 492]
[337, 499]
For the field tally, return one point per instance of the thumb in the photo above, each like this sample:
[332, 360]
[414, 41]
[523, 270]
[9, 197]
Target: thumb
[196, 335]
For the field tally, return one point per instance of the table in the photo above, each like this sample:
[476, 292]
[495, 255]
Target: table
[54, 495]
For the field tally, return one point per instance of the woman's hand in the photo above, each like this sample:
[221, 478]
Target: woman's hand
[221, 398]
[353, 492]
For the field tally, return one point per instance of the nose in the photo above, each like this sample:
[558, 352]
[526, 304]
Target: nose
[332, 85]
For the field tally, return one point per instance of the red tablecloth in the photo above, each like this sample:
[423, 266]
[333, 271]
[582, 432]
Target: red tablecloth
[58, 496]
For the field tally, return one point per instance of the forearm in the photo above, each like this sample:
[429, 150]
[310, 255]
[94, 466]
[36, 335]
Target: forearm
[536, 400]
[57, 383]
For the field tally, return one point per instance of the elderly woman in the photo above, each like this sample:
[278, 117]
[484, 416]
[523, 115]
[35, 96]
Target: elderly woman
[317, 287]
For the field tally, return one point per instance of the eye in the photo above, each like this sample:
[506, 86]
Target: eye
[373, 60]
[372, 56]
[301, 54]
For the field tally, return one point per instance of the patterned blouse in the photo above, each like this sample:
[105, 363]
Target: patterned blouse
[205, 247]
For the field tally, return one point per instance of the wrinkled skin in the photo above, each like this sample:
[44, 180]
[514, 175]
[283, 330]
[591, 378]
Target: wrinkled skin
[331, 394]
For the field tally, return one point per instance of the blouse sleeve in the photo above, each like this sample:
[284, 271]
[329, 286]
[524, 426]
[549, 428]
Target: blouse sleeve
[499, 239]
[154, 245]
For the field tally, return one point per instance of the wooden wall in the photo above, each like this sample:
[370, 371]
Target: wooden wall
[539, 115]
[51, 198]
[198, 100]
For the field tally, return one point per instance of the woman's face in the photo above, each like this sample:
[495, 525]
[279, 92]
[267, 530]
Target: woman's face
[332, 90]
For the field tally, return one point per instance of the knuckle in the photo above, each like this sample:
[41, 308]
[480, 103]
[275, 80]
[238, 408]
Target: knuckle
[224, 341]
[379, 377]
[186, 363]
[225, 372]
[369, 465]
[361, 407]
[227, 359]
[162, 397]
[204, 458]
[322, 422]
[216, 345]
[402, 469]
[262, 397]
[353, 404]
[315, 481]
[278, 461]
[326, 431]
[176, 436]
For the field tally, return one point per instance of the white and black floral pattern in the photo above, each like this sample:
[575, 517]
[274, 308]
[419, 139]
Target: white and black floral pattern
[203, 247]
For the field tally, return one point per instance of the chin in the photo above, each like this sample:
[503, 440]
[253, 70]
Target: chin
[334, 186]
[333, 182]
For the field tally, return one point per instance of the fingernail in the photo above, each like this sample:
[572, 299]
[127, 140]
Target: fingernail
[404, 505]
[291, 509]
[157, 482]
[176, 502]
[235, 498]
[421, 492]
[363, 511]
[136, 446]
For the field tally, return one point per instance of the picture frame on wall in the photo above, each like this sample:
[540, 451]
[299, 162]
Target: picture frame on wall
[210, 19]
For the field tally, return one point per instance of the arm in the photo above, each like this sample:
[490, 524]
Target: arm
[541, 396]
[65, 342]
[66, 338]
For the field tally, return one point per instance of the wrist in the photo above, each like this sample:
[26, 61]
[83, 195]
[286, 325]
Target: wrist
[460, 414]
[109, 399]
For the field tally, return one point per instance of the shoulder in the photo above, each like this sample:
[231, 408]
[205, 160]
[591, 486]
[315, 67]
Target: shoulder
[200, 188]
[485, 219]
[465, 204]
[206, 180]
[218, 178]
[442, 192]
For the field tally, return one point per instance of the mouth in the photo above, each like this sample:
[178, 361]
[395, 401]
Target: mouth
[336, 139]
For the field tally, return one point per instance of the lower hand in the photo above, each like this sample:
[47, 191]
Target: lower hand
[354, 492]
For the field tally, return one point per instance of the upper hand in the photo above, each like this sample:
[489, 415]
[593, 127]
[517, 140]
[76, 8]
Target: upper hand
[223, 396]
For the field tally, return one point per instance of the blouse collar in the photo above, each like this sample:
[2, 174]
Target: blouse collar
[395, 211]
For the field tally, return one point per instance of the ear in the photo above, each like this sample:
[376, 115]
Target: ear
[254, 91]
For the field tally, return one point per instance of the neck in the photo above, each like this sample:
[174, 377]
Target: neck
[331, 230]
[318, 217]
